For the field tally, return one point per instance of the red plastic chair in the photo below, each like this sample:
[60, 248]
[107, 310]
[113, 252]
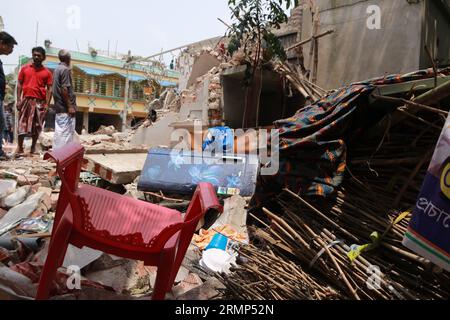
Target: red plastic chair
[118, 225]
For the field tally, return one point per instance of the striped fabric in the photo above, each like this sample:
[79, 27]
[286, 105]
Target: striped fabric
[313, 142]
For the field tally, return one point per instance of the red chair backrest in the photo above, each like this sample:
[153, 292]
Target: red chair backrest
[68, 165]
[203, 200]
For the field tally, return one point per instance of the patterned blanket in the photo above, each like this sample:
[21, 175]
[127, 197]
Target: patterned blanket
[313, 151]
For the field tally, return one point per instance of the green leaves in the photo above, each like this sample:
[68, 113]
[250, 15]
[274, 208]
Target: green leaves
[274, 47]
[253, 21]
[233, 45]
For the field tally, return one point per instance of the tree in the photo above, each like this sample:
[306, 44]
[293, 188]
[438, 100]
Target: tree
[253, 22]
[11, 86]
[10, 77]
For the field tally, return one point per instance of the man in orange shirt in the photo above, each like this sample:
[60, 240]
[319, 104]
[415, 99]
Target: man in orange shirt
[34, 96]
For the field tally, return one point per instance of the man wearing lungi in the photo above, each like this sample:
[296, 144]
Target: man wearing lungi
[65, 102]
[34, 96]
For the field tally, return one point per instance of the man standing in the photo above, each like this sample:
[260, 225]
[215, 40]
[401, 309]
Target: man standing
[7, 43]
[8, 133]
[65, 102]
[34, 96]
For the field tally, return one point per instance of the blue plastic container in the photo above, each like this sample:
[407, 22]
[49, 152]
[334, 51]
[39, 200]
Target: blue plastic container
[219, 241]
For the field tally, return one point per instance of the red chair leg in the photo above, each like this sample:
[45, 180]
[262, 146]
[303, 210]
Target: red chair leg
[164, 275]
[181, 253]
[55, 258]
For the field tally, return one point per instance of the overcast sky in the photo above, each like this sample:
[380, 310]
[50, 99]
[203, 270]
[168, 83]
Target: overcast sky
[144, 27]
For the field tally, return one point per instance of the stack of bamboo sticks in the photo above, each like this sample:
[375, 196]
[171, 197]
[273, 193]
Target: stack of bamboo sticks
[369, 215]
[308, 89]
[268, 276]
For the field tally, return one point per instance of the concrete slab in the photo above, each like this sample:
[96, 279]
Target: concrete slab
[158, 134]
[7, 187]
[203, 63]
[22, 211]
[80, 257]
[116, 168]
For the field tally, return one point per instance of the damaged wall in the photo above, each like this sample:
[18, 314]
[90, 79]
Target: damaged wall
[273, 103]
[158, 134]
[203, 100]
[203, 63]
[194, 103]
[354, 52]
[436, 32]
[187, 59]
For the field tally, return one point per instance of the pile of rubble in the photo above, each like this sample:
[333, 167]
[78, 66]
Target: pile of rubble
[168, 101]
[213, 96]
[105, 140]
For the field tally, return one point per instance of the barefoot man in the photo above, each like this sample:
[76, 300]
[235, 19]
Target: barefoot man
[34, 96]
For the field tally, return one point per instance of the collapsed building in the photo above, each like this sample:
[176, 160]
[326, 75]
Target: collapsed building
[213, 92]
[352, 162]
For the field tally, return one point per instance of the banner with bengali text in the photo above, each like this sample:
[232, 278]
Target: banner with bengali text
[429, 231]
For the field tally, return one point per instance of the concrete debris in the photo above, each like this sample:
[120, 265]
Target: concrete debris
[203, 99]
[167, 101]
[156, 104]
[208, 290]
[47, 191]
[200, 100]
[3, 212]
[235, 215]
[130, 277]
[196, 61]
[92, 140]
[7, 187]
[133, 192]
[15, 286]
[29, 179]
[116, 168]
[104, 262]
[54, 201]
[24, 210]
[121, 137]
[46, 139]
[155, 134]
[63, 282]
[190, 282]
[106, 140]
[16, 198]
[40, 257]
[183, 273]
[80, 257]
[90, 293]
[103, 130]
